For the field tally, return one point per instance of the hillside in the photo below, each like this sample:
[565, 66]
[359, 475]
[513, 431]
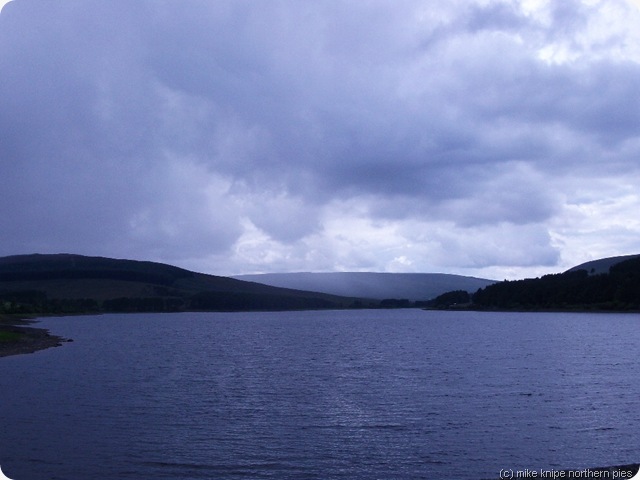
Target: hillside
[602, 265]
[411, 286]
[579, 288]
[66, 283]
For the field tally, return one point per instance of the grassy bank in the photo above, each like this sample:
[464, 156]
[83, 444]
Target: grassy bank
[17, 338]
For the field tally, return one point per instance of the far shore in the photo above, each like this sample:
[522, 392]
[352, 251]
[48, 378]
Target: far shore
[17, 337]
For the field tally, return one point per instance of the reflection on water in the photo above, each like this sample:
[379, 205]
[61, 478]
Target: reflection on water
[396, 394]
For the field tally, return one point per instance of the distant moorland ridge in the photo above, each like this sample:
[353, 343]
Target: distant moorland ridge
[411, 286]
[67, 283]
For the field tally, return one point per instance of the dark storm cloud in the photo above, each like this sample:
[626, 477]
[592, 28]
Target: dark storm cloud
[165, 128]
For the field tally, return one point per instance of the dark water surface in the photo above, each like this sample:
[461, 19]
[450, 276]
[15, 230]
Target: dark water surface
[400, 394]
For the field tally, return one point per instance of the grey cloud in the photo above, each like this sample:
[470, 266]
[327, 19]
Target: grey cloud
[276, 110]
[495, 17]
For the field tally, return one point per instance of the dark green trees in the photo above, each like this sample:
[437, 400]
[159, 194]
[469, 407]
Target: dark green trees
[574, 290]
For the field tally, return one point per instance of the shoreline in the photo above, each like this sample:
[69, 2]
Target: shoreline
[17, 338]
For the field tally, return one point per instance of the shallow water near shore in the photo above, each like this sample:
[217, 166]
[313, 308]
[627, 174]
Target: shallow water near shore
[371, 394]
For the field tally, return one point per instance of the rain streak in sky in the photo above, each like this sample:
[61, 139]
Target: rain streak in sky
[492, 138]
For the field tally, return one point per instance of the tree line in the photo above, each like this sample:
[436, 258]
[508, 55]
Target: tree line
[618, 290]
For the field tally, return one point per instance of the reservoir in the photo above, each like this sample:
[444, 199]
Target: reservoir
[354, 394]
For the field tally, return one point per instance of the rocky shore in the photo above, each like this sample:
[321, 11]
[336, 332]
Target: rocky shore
[16, 337]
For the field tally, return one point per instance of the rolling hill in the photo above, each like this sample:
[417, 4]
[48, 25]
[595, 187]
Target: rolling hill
[609, 284]
[602, 265]
[74, 283]
[411, 286]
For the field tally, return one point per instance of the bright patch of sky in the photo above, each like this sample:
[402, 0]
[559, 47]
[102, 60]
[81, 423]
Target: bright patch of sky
[495, 138]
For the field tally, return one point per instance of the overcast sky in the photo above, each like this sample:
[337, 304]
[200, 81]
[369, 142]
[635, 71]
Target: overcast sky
[490, 138]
